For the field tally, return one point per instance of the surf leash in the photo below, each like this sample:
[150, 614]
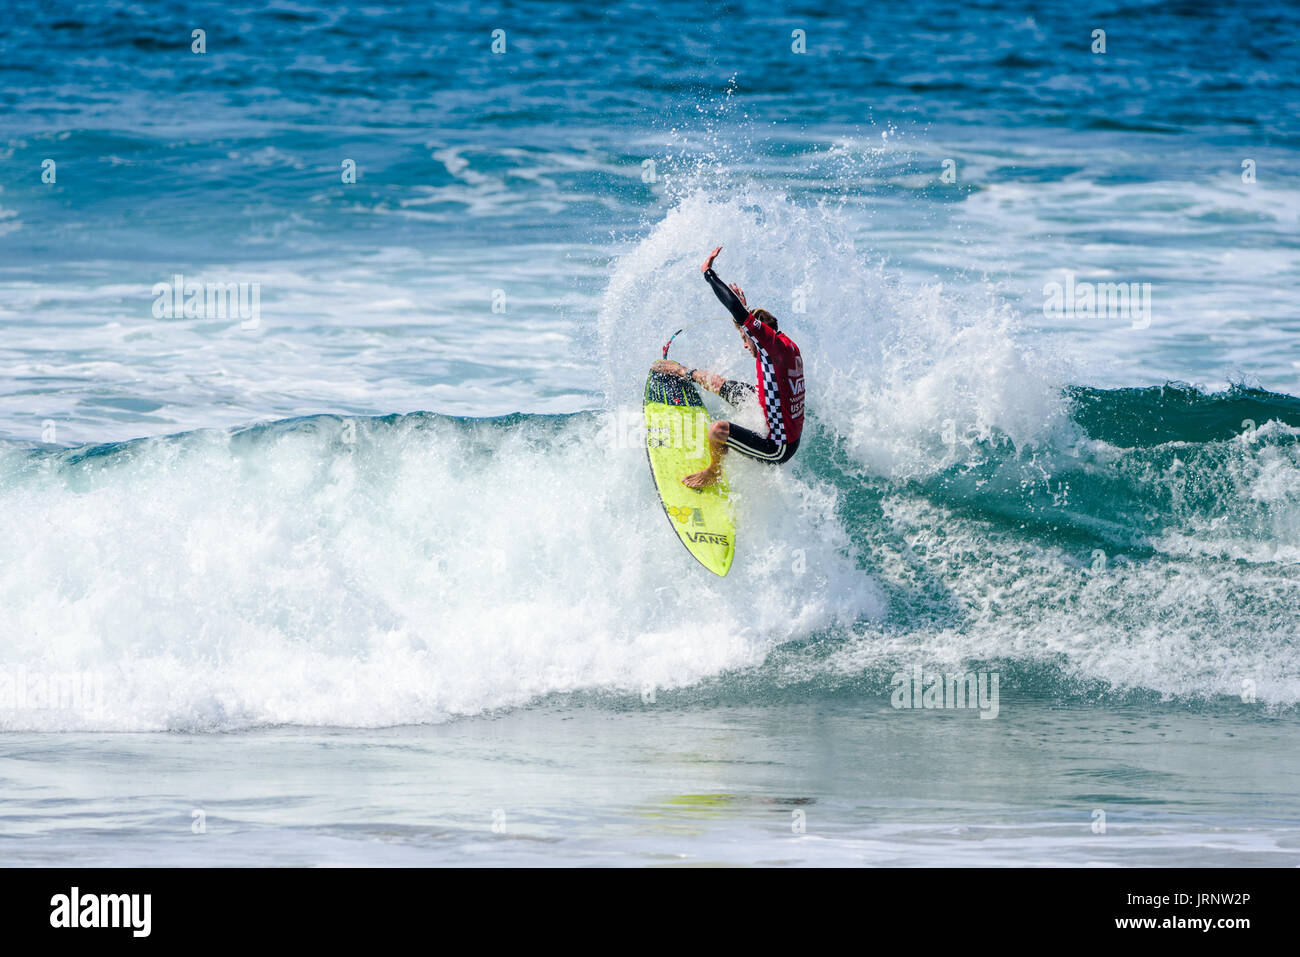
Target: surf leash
[693, 325]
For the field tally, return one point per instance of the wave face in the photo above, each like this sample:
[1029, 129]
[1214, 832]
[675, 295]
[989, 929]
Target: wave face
[366, 572]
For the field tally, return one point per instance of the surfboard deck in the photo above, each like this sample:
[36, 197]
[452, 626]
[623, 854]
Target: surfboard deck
[677, 444]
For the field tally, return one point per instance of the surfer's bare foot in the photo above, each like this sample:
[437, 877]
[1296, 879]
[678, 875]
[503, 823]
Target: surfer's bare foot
[702, 479]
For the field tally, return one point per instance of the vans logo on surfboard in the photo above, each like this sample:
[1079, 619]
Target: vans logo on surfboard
[708, 538]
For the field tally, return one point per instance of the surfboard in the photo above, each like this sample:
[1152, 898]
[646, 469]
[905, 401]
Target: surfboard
[677, 443]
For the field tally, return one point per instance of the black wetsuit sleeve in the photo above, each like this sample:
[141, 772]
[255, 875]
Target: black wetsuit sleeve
[737, 392]
[728, 298]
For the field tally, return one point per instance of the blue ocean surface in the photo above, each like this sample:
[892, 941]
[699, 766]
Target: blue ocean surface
[326, 533]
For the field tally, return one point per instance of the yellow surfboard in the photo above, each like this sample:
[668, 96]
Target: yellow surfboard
[677, 442]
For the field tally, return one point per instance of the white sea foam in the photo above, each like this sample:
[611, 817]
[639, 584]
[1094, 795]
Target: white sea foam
[429, 569]
[1180, 627]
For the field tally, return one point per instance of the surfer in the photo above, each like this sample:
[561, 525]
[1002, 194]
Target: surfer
[780, 388]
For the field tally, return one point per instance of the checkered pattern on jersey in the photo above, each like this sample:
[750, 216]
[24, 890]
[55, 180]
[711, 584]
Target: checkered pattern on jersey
[771, 398]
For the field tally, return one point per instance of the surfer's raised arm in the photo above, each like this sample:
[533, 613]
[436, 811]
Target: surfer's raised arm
[778, 368]
[731, 297]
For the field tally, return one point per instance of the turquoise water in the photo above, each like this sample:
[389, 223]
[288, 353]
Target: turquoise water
[376, 575]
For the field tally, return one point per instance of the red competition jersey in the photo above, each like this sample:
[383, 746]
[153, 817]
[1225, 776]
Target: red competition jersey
[780, 381]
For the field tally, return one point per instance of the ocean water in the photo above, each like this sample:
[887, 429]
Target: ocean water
[374, 573]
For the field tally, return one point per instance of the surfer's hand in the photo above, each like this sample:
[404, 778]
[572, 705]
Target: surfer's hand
[669, 367]
[712, 381]
[708, 263]
[740, 294]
